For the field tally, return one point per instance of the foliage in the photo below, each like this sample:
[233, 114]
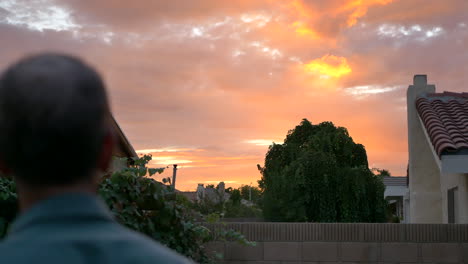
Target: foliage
[208, 206]
[8, 203]
[242, 211]
[236, 197]
[243, 203]
[251, 193]
[237, 206]
[381, 172]
[142, 204]
[156, 210]
[320, 175]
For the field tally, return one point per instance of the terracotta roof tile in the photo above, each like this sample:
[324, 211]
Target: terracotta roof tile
[445, 116]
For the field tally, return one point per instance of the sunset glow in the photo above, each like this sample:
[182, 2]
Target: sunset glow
[329, 66]
[210, 84]
[303, 30]
[359, 9]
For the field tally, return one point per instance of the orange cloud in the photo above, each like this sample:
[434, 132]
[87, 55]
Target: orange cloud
[301, 8]
[329, 66]
[303, 30]
[359, 9]
[303, 13]
[309, 17]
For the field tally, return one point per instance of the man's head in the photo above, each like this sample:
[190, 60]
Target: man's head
[54, 127]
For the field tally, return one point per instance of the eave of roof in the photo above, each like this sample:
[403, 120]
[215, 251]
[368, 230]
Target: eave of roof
[122, 140]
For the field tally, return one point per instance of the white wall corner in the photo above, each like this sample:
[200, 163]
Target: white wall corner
[424, 172]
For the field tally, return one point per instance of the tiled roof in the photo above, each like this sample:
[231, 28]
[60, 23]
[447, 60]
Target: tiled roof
[445, 117]
[395, 181]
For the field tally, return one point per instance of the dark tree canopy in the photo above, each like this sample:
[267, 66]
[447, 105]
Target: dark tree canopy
[320, 175]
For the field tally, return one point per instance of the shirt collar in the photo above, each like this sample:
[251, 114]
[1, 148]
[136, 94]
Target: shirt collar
[70, 206]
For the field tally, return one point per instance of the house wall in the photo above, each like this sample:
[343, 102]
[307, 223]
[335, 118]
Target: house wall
[395, 191]
[460, 181]
[406, 208]
[117, 164]
[424, 173]
[398, 193]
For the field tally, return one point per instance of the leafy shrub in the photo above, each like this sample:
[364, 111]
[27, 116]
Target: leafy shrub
[237, 206]
[242, 211]
[143, 204]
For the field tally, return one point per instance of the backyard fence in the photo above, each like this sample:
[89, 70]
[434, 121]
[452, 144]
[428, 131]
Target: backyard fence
[344, 243]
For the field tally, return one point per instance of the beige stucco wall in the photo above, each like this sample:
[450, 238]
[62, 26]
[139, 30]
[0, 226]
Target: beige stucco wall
[449, 181]
[424, 181]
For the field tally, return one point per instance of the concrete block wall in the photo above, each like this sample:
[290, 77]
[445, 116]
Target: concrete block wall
[342, 252]
[339, 243]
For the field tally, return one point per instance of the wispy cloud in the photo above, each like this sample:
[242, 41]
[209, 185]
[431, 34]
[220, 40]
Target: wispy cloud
[38, 15]
[262, 142]
[366, 90]
[212, 182]
[167, 149]
[416, 31]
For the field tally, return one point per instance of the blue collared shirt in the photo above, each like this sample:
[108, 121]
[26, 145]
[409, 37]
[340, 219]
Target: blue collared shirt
[77, 229]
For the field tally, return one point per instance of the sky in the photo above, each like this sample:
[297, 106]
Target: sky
[210, 84]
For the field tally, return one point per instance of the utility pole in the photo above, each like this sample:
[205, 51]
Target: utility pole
[174, 174]
[250, 192]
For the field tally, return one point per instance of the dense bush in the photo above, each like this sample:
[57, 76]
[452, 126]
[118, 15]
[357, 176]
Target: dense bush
[249, 193]
[320, 175]
[242, 211]
[142, 204]
[237, 205]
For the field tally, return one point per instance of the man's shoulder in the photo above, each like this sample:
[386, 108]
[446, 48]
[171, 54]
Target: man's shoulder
[141, 247]
[113, 243]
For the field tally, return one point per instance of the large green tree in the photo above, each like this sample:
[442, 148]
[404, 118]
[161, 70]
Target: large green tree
[320, 174]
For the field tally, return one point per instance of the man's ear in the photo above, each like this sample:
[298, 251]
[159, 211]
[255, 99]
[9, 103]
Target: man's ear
[107, 149]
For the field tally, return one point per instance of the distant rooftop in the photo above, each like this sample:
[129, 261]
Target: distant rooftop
[395, 181]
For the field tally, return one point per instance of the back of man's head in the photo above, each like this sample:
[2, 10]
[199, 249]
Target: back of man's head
[53, 115]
